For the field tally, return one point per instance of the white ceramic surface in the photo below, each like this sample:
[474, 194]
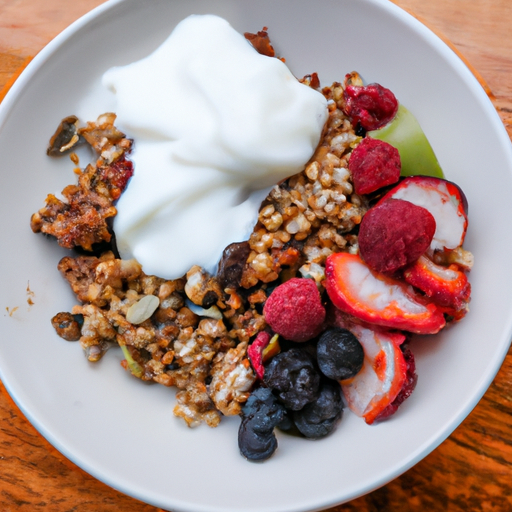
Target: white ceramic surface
[124, 432]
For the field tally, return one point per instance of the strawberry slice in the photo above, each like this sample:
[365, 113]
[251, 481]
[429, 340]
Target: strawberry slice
[408, 387]
[444, 200]
[446, 286]
[382, 376]
[378, 299]
[255, 351]
[262, 348]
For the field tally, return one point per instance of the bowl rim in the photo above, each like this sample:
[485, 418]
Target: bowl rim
[429, 445]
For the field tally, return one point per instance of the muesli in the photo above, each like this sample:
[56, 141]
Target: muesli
[347, 259]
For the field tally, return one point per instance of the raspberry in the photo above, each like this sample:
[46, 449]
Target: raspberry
[294, 310]
[394, 234]
[371, 106]
[374, 164]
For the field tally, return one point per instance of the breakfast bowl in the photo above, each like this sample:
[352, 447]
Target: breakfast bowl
[123, 432]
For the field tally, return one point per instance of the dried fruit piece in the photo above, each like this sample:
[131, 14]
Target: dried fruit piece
[339, 354]
[133, 366]
[394, 234]
[294, 310]
[397, 126]
[383, 374]
[65, 137]
[444, 200]
[374, 164]
[319, 418]
[260, 414]
[377, 299]
[255, 352]
[68, 326]
[371, 106]
[272, 349]
[293, 378]
[446, 286]
[408, 387]
[261, 42]
[232, 263]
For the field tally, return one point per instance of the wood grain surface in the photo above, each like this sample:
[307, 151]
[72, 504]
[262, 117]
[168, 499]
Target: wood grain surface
[470, 471]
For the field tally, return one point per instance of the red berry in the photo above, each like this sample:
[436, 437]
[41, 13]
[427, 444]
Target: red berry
[395, 234]
[374, 164]
[407, 388]
[255, 352]
[371, 106]
[294, 310]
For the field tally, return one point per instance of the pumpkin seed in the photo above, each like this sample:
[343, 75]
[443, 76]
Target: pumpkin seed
[142, 309]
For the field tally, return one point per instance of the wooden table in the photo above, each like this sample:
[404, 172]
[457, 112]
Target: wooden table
[471, 470]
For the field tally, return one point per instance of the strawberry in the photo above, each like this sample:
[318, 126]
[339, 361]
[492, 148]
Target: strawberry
[444, 200]
[378, 299]
[255, 351]
[383, 375]
[408, 387]
[446, 286]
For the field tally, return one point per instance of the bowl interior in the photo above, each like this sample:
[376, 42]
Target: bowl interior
[123, 432]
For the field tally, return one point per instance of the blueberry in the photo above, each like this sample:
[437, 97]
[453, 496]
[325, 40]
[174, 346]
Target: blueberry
[319, 418]
[261, 413]
[339, 354]
[293, 378]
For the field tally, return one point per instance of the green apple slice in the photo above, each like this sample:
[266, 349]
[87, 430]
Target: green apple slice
[405, 134]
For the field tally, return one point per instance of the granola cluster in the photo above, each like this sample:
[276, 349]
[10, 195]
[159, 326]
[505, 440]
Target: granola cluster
[81, 220]
[193, 333]
[170, 345]
[310, 215]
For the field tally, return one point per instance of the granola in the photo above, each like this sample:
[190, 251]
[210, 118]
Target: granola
[196, 339]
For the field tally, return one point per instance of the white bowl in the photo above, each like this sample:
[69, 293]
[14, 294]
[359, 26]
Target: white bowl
[123, 432]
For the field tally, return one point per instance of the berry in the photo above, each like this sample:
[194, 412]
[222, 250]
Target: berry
[255, 352]
[293, 378]
[340, 356]
[378, 299]
[374, 164]
[260, 414]
[371, 106]
[319, 418]
[407, 388]
[383, 375]
[444, 200]
[294, 310]
[394, 234]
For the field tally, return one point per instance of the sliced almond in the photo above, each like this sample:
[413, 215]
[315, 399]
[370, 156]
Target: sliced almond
[142, 309]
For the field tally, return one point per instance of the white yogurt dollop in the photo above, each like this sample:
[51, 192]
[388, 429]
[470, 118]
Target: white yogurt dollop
[216, 125]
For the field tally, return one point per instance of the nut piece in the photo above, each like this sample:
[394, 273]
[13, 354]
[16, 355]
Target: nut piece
[68, 326]
[142, 309]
